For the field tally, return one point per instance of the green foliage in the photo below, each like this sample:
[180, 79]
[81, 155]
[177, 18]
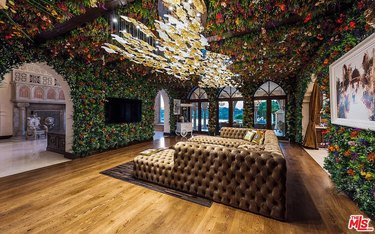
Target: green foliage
[212, 121]
[351, 163]
[351, 157]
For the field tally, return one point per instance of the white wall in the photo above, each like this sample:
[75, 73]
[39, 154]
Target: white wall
[6, 107]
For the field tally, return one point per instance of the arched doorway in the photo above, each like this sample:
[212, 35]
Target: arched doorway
[230, 108]
[199, 110]
[162, 112]
[35, 93]
[269, 108]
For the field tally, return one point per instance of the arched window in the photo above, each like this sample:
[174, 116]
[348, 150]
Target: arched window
[198, 94]
[230, 108]
[269, 108]
[269, 89]
[199, 110]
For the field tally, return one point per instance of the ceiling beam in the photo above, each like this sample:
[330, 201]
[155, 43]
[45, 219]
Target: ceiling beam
[79, 20]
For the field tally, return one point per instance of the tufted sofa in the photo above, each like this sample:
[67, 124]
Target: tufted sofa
[249, 179]
[230, 137]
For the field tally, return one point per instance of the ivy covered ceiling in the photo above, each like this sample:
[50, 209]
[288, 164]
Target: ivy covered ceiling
[270, 39]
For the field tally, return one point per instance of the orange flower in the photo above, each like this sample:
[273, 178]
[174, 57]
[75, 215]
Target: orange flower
[337, 147]
[326, 61]
[331, 148]
[371, 157]
[354, 134]
[351, 172]
[347, 153]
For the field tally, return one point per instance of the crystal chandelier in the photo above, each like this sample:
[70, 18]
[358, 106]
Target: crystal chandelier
[179, 50]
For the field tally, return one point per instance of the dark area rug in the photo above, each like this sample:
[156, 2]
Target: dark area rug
[124, 172]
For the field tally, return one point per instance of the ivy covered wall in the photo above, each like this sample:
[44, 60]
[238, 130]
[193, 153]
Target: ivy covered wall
[351, 160]
[90, 85]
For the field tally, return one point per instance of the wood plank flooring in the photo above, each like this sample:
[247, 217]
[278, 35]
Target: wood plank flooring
[74, 198]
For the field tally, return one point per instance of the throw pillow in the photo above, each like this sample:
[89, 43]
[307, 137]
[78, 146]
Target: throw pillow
[249, 135]
[258, 137]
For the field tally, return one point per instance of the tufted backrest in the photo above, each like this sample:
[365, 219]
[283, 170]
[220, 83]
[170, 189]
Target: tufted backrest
[236, 133]
[251, 180]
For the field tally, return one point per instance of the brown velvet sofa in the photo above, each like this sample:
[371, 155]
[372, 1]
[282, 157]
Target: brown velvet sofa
[250, 179]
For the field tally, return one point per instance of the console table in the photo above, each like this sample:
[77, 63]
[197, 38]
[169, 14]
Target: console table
[56, 142]
[183, 129]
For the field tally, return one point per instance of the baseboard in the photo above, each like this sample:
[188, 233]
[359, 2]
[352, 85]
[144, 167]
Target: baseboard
[70, 155]
[5, 137]
[74, 156]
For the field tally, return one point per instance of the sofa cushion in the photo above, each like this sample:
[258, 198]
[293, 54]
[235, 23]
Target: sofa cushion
[234, 133]
[228, 142]
[258, 138]
[162, 159]
[249, 135]
[250, 146]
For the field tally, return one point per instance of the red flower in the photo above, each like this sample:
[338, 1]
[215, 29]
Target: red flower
[308, 18]
[352, 24]
[360, 5]
[282, 7]
[219, 18]
[351, 172]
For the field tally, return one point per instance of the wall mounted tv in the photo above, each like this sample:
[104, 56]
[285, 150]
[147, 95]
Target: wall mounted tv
[119, 110]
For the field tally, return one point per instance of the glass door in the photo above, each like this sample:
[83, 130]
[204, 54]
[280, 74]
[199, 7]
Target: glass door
[195, 116]
[200, 116]
[204, 116]
[260, 114]
[270, 114]
[237, 114]
[278, 116]
[223, 114]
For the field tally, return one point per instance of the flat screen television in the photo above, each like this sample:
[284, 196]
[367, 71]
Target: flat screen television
[119, 110]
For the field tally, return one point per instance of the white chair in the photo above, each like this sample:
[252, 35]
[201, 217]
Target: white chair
[35, 130]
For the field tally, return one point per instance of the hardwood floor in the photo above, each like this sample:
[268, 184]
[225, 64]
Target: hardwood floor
[74, 198]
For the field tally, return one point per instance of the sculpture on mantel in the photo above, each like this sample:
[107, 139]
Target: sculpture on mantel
[49, 122]
[35, 129]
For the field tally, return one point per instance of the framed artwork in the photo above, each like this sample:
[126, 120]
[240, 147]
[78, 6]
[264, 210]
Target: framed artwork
[352, 87]
[176, 106]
